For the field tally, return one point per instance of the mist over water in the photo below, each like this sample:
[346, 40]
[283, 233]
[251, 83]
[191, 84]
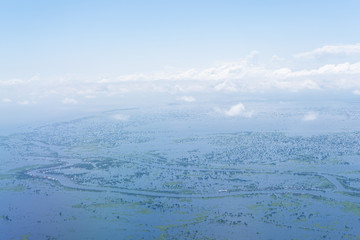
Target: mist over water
[218, 166]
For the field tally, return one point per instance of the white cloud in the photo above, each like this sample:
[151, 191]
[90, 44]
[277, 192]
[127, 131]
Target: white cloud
[90, 96]
[188, 99]
[276, 59]
[228, 77]
[236, 110]
[310, 116]
[69, 101]
[10, 82]
[245, 75]
[227, 85]
[24, 102]
[344, 68]
[356, 92]
[120, 117]
[331, 49]
[6, 100]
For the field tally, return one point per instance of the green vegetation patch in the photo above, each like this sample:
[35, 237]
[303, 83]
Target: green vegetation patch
[24, 168]
[6, 176]
[87, 166]
[17, 188]
[166, 227]
[351, 207]
[25, 237]
[173, 184]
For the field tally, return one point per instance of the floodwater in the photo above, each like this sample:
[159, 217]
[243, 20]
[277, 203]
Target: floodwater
[285, 171]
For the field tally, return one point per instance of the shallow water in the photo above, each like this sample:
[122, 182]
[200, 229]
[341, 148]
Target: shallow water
[185, 173]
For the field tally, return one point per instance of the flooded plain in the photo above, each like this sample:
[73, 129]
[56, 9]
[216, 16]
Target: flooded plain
[181, 172]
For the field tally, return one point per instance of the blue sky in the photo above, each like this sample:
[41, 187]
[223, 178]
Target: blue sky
[231, 43]
[122, 37]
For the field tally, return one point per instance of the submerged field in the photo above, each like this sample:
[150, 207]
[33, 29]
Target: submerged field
[184, 173]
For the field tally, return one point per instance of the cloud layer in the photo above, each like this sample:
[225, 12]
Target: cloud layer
[245, 75]
[310, 116]
[235, 111]
[331, 49]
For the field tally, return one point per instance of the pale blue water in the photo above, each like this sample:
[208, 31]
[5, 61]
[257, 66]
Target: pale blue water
[185, 172]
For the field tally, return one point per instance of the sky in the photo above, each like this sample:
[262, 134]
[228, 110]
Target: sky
[76, 50]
